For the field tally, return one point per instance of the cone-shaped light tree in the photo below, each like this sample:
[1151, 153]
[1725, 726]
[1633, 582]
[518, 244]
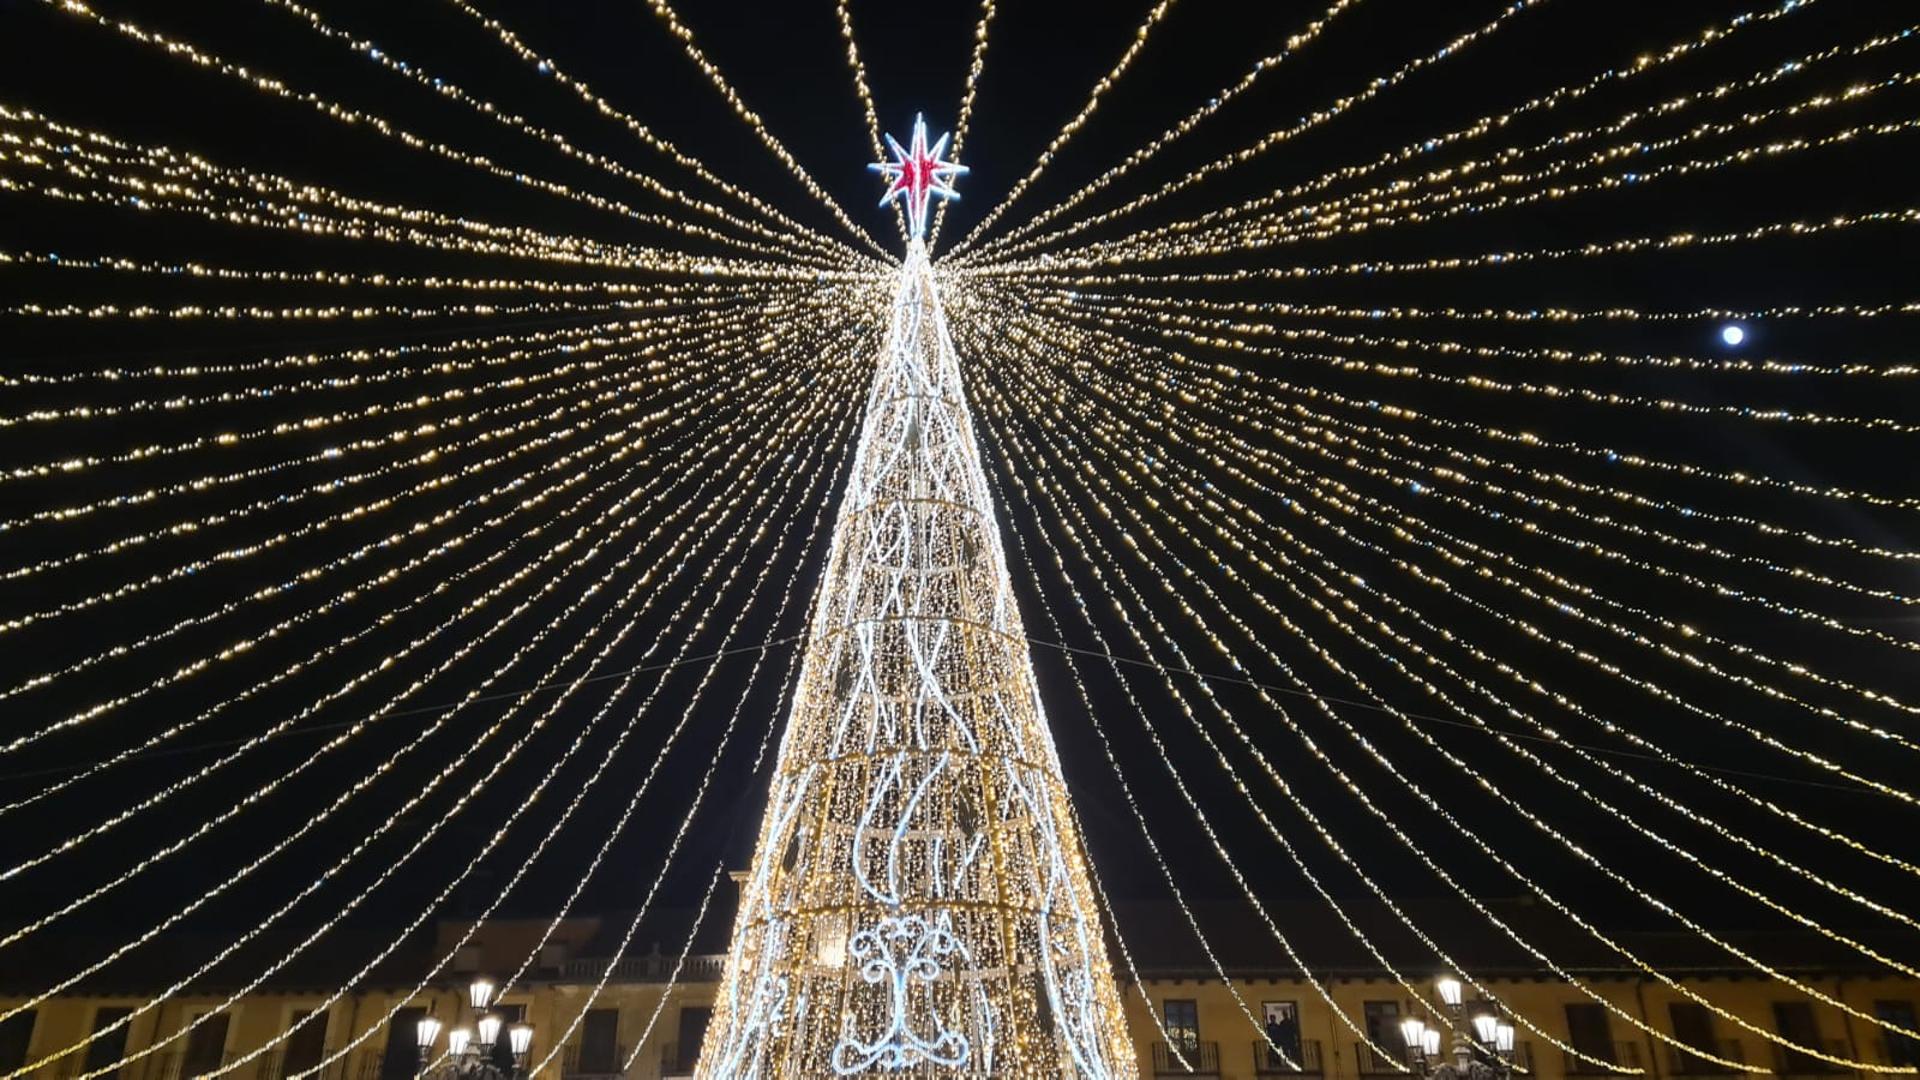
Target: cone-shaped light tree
[918, 901]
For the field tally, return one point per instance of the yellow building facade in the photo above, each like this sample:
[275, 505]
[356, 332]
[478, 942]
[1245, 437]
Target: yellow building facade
[635, 1018]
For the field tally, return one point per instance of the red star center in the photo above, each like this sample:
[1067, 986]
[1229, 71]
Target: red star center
[918, 173]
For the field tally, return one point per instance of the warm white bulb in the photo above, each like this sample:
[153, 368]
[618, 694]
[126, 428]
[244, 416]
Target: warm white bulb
[1430, 1042]
[1484, 1026]
[1411, 1029]
[489, 1030]
[1449, 988]
[520, 1038]
[480, 994]
[425, 1032]
[457, 1041]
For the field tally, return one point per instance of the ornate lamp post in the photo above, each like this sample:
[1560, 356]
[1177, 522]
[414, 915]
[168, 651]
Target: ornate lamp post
[1423, 1042]
[470, 1050]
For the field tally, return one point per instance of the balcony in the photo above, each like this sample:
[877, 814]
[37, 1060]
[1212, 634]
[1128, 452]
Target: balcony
[1202, 1059]
[1373, 1063]
[274, 1066]
[601, 1063]
[1682, 1063]
[1616, 1058]
[1306, 1059]
[1791, 1063]
[677, 1060]
[655, 968]
[181, 1066]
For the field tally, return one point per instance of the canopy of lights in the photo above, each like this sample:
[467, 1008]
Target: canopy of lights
[1395, 528]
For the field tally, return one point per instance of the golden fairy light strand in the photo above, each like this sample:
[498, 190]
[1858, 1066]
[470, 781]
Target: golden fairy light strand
[752, 119]
[1227, 527]
[288, 723]
[1696, 662]
[1453, 202]
[1138, 42]
[641, 582]
[967, 96]
[308, 576]
[1261, 313]
[189, 184]
[1054, 265]
[1556, 479]
[1698, 546]
[1094, 563]
[588, 397]
[1074, 526]
[1257, 455]
[549, 68]
[1133, 804]
[673, 977]
[1089, 475]
[453, 949]
[1558, 96]
[468, 868]
[843, 9]
[274, 87]
[453, 92]
[1507, 156]
[1294, 43]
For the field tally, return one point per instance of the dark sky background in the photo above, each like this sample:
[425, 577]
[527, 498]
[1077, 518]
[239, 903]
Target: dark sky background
[786, 60]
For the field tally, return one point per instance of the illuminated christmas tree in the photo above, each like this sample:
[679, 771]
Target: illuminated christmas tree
[918, 902]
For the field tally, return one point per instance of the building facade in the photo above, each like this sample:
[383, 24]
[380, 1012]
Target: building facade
[638, 1018]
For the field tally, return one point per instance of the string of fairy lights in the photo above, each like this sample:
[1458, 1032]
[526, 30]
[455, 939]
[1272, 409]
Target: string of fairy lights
[1511, 507]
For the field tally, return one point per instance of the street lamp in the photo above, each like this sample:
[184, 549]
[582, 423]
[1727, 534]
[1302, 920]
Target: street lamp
[470, 1050]
[1423, 1042]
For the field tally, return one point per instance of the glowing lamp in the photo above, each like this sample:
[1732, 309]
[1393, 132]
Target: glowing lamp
[1449, 988]
[1733, 334]
[1484, 1025]
[1503, 1038]
[520, 1039]
[1411, 1029]
[489, 1031]
[425, 1032]
[1430, 1042]
[480, 994]
[457, 1041]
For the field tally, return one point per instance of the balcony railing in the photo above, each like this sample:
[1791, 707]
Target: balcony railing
[678, 1060]
[598, 1065]
[1681, 1062]
[654, 968]
[1371, 1062]
[1306, 1059]
[274, 1067]
[181, 1066]
[1615, 1058]
[1898, 1050]
[1203, 1059]
[1790, 1063]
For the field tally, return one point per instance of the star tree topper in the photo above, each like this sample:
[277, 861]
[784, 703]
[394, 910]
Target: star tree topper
[917, 174]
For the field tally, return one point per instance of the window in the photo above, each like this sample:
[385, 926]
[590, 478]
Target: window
[108, 1049]
[206, 1045]
[600, 1042]
[503, 1047]
[16, 1035]
[1382, 1019]
[693, 1028]
[1590, 1034]
[402, 1057]
[1794, 1020]
[1693, 1025]
[1900, 1049]
[1282, 1019]
[308, 1043]
[1183, 1023]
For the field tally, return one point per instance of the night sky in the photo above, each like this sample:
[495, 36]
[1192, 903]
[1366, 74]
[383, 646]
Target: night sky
[787, 62]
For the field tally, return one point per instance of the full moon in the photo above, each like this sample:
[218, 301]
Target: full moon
[1733, 334]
